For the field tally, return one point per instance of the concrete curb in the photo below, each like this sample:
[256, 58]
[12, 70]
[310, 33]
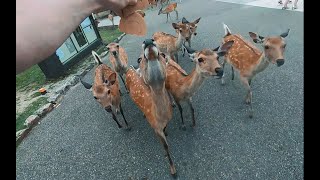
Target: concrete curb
[55, 99]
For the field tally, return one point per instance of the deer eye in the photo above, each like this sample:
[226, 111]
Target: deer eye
[200, 60]
[108, 48]
[266, 47]
[109, 91]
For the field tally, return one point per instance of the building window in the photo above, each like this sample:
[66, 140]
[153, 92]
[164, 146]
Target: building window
[79, 40]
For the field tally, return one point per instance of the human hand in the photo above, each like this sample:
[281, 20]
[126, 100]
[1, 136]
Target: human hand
[114, 5]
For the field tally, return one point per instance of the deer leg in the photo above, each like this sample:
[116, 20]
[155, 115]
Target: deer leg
[176, 14]
[176, 57]
[189, 42]
[114, 117]
[232, 71]
[120, 92]
[121, 111]
[170, 16]
[171, 99]
[222, 78]
[192, 112]
[164, 142]
[165, 131]
[183, 126]
[167, 17]
[245, 81]
[124, 83]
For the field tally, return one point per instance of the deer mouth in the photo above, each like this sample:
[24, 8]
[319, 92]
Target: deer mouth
[151, 51]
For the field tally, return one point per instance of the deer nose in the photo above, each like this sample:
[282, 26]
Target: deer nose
[195, 34]
[108, 108]
[219, 71]
[280, 62]
[114, 53]
[187, 38]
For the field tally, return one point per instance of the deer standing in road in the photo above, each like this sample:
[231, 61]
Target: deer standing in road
[105, 89]
[248, 60]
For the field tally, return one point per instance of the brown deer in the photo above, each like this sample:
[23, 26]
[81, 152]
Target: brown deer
[193, 28]
[110, 17]
[119, 59]
[170, 44]
[105, 89]
[153, 3]
[149, 94]
[248, 60]
[182, 86]
[170, 8]
[162, 2]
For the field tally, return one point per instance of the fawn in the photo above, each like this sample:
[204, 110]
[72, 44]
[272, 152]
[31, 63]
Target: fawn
[193, 28]
[248, 60]
[105, 89]
[182, 86]
[170, 44]
[119, 59]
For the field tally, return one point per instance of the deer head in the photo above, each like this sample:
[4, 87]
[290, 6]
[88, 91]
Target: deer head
[154, 70]
[183, 30]
[192, 25]
[274, 46]
[113, 49]
[206, 60]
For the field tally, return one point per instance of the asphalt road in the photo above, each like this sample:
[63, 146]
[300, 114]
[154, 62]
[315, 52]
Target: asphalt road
[79, 140]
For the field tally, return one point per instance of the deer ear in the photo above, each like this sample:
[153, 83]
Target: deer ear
[175, 25]
[256, 38]
[285, 34]
[112, 78]
[197, 20]
[85, 84]
[184, 20]
[96, 57]
[225, 48]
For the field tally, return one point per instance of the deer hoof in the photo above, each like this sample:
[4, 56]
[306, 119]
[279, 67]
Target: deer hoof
[183, 127]
[173, 171]
[119, 126]
[128, 128]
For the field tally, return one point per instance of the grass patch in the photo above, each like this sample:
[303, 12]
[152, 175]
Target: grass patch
[29, 111]
[108, 35]
[30, 78]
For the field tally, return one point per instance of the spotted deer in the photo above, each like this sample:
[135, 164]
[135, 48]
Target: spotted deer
[105, 89]
[149, 94]
[182, 86]
[170, 44]
[119, 59]
[170, 8]
[193, 28]
[248, 60]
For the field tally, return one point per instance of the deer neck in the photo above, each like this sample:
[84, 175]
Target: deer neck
[263, 64]
[194, 80]
[178, 42]
[117, 60]
[154, 74]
